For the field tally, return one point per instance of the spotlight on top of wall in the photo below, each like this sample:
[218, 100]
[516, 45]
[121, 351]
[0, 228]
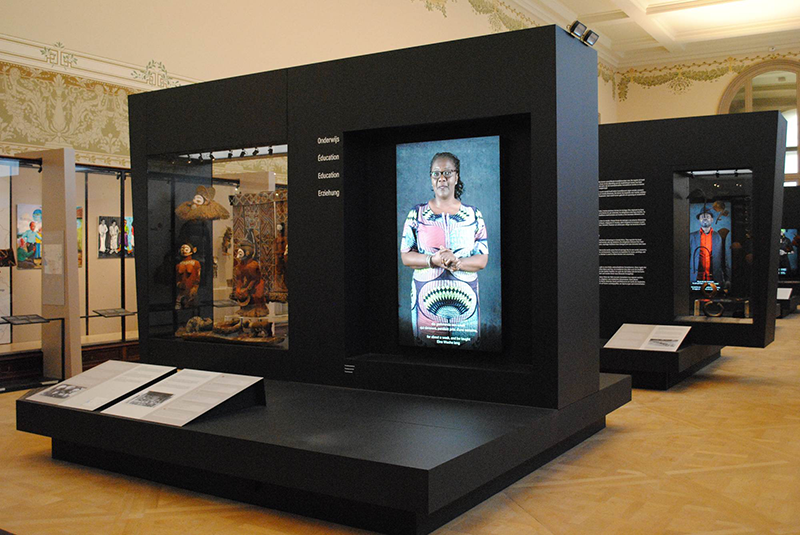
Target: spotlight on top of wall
[590, 38]
[255, 152]
[230, 154]
[242, 154]
[269, 151]
[577, 29]
[211, 156]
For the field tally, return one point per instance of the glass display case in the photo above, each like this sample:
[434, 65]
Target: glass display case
[714, 221]
[218, 246]
[106, 245]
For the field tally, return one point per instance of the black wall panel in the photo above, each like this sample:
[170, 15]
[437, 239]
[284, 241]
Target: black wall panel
[236, 112]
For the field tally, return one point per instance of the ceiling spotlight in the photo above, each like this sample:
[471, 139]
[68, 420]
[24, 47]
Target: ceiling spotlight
[40, 169]
[590, 38]
[211, 156]
[242, 154]
[577, 29]
[269, 151]
[230, 153]
[255, 152]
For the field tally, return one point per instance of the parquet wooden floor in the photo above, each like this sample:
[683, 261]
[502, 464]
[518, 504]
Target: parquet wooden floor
[717, 454]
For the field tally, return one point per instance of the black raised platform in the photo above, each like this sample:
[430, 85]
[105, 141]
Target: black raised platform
[395, 463]
[658, 370]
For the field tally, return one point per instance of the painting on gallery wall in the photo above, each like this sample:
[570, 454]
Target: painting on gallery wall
[114, 237]
[29, 236]
[128, 240]
[80, 236]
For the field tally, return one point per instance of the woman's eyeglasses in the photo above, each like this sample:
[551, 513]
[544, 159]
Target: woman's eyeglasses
[447, 173]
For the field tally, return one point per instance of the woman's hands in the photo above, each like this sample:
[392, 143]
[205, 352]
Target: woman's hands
[444, 258]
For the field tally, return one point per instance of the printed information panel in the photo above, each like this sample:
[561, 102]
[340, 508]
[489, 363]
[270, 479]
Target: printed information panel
[182, 397]
[648, 337]
[102, 385]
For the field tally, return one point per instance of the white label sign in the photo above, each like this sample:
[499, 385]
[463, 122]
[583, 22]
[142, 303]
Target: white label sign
[648, 337]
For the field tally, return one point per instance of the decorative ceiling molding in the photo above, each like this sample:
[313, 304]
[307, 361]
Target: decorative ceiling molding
[678, 5]
[606, 18]
[664, 37]
[739, 30]
[60, 58]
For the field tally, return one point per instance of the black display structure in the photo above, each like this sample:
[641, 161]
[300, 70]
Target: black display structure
[359, 428]
[651, 175]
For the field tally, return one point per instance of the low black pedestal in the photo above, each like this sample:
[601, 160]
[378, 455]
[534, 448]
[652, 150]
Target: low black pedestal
[394, 463]
[788, 306]
[659, 370]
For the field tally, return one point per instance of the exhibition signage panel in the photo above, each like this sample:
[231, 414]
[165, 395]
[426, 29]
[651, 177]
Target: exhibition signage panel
[102, 385]
[784, 294]
[181, 398]
[648, 337]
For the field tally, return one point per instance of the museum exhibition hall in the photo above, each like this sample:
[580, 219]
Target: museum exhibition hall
[544, 255]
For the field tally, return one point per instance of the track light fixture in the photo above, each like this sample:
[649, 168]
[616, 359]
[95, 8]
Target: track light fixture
[579, 31]
[242, 154]
[590, 38]
[230, 154]
[211, 156]
[255, 152]
[269, 151]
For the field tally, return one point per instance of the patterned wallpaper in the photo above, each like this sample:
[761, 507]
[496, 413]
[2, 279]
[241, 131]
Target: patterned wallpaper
[48, 109]
[52, 96]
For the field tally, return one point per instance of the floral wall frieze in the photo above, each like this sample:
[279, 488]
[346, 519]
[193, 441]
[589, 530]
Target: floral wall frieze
[501, 15]
[679, 78]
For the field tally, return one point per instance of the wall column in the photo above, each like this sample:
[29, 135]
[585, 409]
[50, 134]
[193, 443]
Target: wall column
[60, 298]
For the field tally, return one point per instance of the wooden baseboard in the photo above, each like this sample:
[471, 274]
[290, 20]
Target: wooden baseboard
[27, 364]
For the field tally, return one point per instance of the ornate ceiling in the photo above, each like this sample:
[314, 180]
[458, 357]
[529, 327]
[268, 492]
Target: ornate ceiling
[638, 32]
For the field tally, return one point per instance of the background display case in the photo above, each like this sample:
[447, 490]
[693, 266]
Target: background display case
[789, 243]
[659, 181]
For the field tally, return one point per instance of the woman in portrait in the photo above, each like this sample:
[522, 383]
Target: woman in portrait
[445, 242]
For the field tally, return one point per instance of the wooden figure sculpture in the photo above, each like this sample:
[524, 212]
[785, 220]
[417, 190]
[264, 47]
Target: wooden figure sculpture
[249, 288]
[187, 273]
[202, 207]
